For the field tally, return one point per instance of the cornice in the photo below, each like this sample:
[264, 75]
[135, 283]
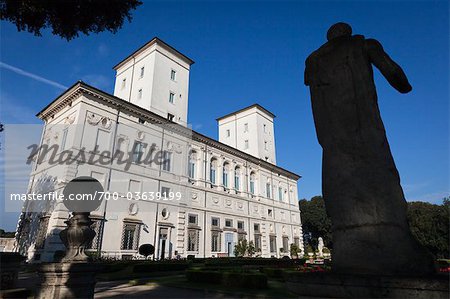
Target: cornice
[80, 88]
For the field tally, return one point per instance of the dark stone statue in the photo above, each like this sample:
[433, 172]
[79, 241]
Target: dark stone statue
[360, 183]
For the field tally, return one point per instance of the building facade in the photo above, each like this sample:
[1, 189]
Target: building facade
[200, 199]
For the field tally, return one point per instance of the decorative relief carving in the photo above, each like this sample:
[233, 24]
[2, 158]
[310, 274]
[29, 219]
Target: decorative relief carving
[95, 119]
[69, 119]
[173, 147]
[106, 123]
[133, 209]
[140, 135]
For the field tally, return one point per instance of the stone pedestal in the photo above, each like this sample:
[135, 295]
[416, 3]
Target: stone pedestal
[67, 280]
[331, 285]
[10, 265]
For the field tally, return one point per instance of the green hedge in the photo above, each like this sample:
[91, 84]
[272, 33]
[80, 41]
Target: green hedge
[274, 272]
[202, 276]
[227, 262]
[160, 267]
[228, 279]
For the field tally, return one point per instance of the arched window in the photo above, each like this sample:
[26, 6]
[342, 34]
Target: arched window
[191, 164]
[212, 171]
[225, 174]
[252, 183]
[237, 178]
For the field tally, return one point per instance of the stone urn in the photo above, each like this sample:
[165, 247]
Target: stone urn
[77, 236]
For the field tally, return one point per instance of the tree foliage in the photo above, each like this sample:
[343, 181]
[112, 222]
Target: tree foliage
[429, 223]
[146, 249]
[67, 18]
[4, 234]
[315, 221]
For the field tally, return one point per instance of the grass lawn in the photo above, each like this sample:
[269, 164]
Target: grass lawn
[276, 289]
[127, 273]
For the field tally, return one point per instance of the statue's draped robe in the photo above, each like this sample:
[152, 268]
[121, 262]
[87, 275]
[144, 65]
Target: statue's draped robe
[360, 183]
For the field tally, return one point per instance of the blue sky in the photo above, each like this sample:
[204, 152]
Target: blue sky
[254, 52]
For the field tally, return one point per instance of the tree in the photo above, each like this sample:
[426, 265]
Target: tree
[4, 234]
[67, 18]
[240, 249]
[295, 250]
[315, 221]
[251, 249]
[429, 224]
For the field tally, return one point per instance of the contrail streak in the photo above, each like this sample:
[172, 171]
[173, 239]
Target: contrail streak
[32, 76]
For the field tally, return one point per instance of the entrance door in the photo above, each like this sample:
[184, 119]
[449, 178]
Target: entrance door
[162, 243]
[229, 244]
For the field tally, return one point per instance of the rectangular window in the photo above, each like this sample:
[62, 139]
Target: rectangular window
[265, 128]
[124, 83]
[257, 242]
[191, 169]
[170, 116]
[192, 219]
[63, 139]
[193, 240]
[130, 236]
[256, 227]
[42, 233]
[228, 133]
[142, 72]
[228, 223]
[265, 145]
[215, 222]
[280, 193]
[240, 225]
[165, 192]
[97, 228]
[138, 151]
[297, 241]
[215, 241]
[245, 127]
[252, 187]
[270, 212]
[173, 75]
[273, 244]
[268, 191]
[246, 144]
[140, 94]
[237, 182]
[171, 97]
[167, 157]
[285, 244]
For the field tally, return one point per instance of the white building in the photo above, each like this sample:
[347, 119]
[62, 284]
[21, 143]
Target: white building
[229, 189]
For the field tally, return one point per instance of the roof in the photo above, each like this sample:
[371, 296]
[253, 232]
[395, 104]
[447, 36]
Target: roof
[153, 41]
[247, 108]
[79, 87]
